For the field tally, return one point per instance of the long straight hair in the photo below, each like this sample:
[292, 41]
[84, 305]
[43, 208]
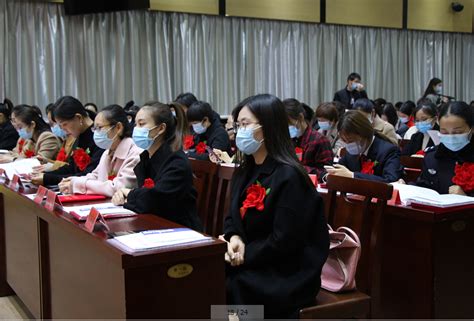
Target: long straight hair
[430, 89]
[272, 116]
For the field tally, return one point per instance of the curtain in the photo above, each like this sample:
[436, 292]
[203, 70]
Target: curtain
[140, 55]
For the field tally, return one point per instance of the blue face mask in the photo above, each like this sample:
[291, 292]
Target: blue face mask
[424, 126]
[324, 125]
[58, 131]
[199, 128]
[404, 120]
[294, 131]
[245, 141]
[141, 139]
[354, 86]
[439, 89]
[455, 142]
[354, 148]
[102, 140]
[24, 134]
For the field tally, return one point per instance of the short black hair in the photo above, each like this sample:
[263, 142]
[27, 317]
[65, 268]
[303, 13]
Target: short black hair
[93, 105]
[364, 104]
[353, 76]
[49, 109]
[6, 108]
[198, 110]
[408, 108]
[66, 107]
[115, 114]
[186, 99]
[427, 107]
[27, 114]
[459, 109]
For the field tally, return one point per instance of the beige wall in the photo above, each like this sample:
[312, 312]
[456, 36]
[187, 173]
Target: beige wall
[435, 15]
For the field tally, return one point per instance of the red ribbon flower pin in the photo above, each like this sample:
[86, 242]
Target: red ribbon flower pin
[188, 142]
[201, 148]
[464, 176]
[61, 155]
[368, 167]
[81, 158]
[148, 183]
[256, 194]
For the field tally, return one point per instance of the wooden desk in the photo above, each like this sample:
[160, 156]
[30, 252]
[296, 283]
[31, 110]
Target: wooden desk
[59, 270]
[427, 262]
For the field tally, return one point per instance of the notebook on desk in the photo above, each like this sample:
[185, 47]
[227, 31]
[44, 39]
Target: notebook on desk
[107, 210]
[155, 239]
[424, 197]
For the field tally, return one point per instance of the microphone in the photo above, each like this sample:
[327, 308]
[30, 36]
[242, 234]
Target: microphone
[449, 97]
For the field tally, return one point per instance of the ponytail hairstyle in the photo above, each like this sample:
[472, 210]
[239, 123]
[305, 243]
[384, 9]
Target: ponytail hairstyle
[175, 126]
[6, 108]
[67, 107]
[115, 114]
[28, 114]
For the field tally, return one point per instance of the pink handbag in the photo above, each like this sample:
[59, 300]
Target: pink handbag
[339, 271]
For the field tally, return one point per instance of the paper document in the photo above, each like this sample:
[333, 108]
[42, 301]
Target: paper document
[22, 166]
[153, 239]
[420, 195]
[108, 210]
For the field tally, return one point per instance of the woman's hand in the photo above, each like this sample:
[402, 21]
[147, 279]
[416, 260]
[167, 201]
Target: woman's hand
[120, 196]
[221, 156]
[37, 178]
[456, 189]
[236, 251]
[65, 186]
[340, 170]
[7, 158]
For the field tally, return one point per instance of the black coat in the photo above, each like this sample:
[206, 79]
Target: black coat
[173, 197]
[438, 167]
[388, 168]
[215, 137]
[9, 136]
[286, 244]
[416, 142]
[345, 96]
[84, 141]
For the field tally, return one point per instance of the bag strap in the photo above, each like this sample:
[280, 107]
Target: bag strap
[350, 233]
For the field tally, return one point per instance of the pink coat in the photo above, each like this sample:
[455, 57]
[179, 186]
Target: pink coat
[126, 156]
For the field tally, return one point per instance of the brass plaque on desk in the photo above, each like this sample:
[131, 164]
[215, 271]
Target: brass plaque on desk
[179, 271]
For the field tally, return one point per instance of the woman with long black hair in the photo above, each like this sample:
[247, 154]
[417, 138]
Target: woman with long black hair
[277, 234]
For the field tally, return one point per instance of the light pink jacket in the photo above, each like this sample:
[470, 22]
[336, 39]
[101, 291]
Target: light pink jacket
[126, 156]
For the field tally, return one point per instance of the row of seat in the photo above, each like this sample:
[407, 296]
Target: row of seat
[213, 183]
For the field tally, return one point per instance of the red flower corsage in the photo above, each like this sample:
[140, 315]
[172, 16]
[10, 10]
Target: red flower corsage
[299, 153]
[81, 158]
[464, 176]
[201, 148]
[188, 142]
[148, 183]
[62, 157]
[111, 176]
[368, 167]
[420, 152]
[255, 198]
[21, 142]
[29, 153]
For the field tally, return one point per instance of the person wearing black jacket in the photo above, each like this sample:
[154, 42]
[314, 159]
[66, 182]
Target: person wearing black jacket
[276, 231]
[8, 133]
[369, 155]
[426, 116]
[208, 131]
[164, 175]
[353, 91]
[448, 167]
[74, 119]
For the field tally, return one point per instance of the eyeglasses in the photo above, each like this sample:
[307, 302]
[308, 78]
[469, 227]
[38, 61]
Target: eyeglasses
[237, 126]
